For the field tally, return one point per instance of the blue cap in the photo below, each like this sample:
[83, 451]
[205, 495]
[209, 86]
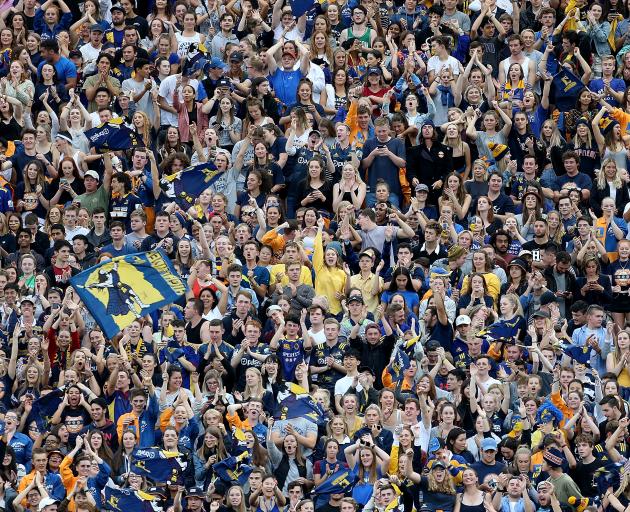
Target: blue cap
[374, 71]
[216, 63]
[489, 443]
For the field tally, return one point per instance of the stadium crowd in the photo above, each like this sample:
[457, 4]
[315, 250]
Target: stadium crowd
[409, 274]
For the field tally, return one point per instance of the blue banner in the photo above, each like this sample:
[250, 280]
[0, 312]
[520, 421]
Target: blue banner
[158, 465]
[299, 404]
[567, 87]
[398, 366]
[234, 469]
[118, 291]
[112, 136]
[45, 407]
[124, 500]
[340, 482]
[299, 7]
[186, 185]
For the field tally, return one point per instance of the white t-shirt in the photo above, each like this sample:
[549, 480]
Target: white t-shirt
[436, 65]
[167, 90]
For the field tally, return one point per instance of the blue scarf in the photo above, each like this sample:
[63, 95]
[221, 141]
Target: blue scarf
[446, 96]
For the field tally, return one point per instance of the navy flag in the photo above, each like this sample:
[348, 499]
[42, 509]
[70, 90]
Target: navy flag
[125, 500]
[340, 482]
[567, 87]
[299, 7]
[299, 404]
[112, 136]
[581, 355]
[501, 329]
[398, 365]
[118, 291]
[158, 465]
[45, 407]
[234, 469]
[186, 185]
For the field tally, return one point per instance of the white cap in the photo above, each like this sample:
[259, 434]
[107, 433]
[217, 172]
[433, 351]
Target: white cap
[46, 502]
[462, 320]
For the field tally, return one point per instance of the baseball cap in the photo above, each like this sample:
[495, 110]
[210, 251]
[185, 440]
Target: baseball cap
[541, 314]
[525, 252]
[92, 174]
[355, 298]
[368, 369]
[438, 464]
[216, 63]
[236, 57]
[223, 82]
[489, 443]
[462, 320]
[75, 54]
[116, 8]
[46, 502]
[96, 28]
[316, 132]
[273, 308]
[547, 298]
[374, 71]
[196, 492]
[27, 298]
[421, 186]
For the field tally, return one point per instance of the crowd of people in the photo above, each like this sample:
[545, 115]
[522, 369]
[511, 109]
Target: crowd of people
[417, 217]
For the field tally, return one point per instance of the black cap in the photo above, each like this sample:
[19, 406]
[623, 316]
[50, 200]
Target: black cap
[547, 298]
[75, 53]
[355, 298]
[374, 71]
[117, 8]
[196, 492]
[96, 27]
[223, 82]
[432, 345]
[236, 57]
[368, 369]
[541, 314]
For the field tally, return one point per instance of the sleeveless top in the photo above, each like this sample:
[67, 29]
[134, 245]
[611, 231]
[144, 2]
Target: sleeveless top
[193, 334]
[525, 65]
[472, 508]
[365, 38]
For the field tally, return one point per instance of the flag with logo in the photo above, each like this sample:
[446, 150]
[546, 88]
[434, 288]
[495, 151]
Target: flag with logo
[234, 469]
[186, 185]
[158, 465]
[118, 291]
[112, 136]
[297, 403]
[126, 500]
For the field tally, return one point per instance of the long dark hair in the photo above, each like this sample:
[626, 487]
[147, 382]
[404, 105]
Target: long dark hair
[400, 271]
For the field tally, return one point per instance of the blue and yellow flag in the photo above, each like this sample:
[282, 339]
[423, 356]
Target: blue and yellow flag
[45, 407]
[158, 465]
[398, 366]
[112, 136]
[118, 291]
[234, 469]
[124, 500]
[186, 185]
[340, 482]
[567, 87]
[299, 404]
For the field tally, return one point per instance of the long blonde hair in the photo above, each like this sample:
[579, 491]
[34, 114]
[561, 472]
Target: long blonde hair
[444, 487]
[601, 177]
[258, 390]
